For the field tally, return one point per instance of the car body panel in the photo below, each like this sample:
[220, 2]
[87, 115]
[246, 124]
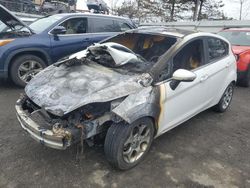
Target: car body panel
[75, 88]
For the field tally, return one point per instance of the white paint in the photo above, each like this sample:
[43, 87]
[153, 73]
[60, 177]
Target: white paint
[206, 91]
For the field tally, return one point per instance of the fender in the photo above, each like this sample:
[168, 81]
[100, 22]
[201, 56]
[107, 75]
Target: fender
[12, 54]
[141, 104]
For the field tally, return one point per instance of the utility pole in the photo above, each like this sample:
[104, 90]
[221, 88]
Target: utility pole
[196, 9]
[241, 4]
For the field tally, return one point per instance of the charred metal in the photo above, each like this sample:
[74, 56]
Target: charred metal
[81, 97]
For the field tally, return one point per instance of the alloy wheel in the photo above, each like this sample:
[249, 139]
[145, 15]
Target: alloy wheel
[137, 143]
[227, 97]
[28, 69]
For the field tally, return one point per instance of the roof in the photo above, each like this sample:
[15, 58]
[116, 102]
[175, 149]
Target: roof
[161, 30]
[90, 15]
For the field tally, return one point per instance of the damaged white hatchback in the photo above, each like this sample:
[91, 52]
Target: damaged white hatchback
[128, 90]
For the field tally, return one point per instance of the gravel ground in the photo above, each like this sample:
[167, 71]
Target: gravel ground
[210, 150]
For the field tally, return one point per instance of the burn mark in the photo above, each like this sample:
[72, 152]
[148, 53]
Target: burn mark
[79, 98]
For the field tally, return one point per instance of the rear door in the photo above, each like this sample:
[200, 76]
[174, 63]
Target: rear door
[75, 39]
[217, 66]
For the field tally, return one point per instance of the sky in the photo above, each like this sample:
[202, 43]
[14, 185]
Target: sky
[231, 8]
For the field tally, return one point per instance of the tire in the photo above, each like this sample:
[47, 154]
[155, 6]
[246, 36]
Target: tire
[28, 65]
[245, 81]
[120, 146]
[225, 100]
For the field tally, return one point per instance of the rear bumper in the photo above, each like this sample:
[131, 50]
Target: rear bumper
[45, 137]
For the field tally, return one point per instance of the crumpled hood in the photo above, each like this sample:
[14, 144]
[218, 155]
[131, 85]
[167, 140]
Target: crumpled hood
[63, 89]
[239, 49]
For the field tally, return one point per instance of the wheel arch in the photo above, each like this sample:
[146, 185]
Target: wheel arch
[149, 110]
[30, 51]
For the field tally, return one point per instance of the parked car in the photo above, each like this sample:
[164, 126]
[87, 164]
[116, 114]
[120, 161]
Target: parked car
[129, 88]
[98, 6]
[26, 50]
[240, 40]
[54, 7]
[26, 6]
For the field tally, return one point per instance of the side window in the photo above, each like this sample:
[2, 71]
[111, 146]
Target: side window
[190, 57]
[75, 26]
[102, 25]
[121, 26]
[217, 48]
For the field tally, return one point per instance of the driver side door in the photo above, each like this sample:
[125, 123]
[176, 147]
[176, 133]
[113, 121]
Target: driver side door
[189, 98]
[75, 39]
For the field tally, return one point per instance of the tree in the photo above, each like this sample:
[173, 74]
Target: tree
[205, 9]
[210, 9]
[171, 10]
[140, 9]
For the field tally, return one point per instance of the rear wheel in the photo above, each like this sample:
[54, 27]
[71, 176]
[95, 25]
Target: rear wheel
[24, 68]
[225, 100]
[127, 144]
[245, 82]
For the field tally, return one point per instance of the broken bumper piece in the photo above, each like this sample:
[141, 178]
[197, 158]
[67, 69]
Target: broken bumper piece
[45, 137]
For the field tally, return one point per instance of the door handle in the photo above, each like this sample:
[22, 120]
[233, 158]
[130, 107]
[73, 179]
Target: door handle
[228, 64]
[203, 78]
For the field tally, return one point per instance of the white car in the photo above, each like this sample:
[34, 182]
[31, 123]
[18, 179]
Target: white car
[128, 89]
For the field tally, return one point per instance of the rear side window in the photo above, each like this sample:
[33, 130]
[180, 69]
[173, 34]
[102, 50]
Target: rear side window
[217, 48]
[102, 25]
[121, 26]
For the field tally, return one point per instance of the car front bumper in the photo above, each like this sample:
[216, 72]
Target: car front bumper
[45, 137]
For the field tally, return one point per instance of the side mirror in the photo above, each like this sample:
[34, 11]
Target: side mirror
[181, 75]
[59, 30]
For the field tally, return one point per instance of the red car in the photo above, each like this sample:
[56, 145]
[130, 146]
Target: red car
[240, 40]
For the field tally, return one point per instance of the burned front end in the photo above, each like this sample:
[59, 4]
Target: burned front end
[79, 98]
[61, 132]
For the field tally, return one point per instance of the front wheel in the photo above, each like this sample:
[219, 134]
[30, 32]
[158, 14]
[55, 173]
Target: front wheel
[225, 100]
[24, 68]
[127, 144]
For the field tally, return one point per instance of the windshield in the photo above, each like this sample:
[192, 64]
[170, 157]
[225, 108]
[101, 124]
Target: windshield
[128, 52]
[41, 24]
[239, 38]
